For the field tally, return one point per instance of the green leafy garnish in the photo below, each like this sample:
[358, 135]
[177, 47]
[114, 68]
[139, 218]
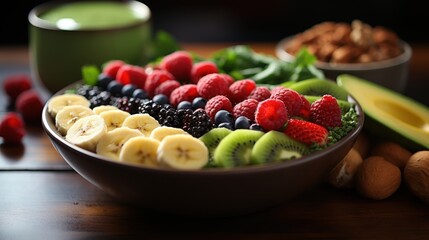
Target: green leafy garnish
[240, 61]
[90, 74]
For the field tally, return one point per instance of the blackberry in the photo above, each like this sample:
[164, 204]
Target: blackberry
[88, 91]
[102, 98]
[197, 123]
[150, 107]
[127, 104]
[168, 116]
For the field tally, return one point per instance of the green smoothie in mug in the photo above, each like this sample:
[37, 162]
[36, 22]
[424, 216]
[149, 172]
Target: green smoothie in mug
[65, 36]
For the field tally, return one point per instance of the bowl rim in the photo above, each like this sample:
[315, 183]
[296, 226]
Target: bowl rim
[54, 135]
[402, 58]
[36, 21]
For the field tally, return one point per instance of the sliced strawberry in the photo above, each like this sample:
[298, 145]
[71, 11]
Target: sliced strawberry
[135, 75]
[306, 132]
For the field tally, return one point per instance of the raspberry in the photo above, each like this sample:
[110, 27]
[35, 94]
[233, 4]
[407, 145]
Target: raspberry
[12, 128]
[135, 75]
[246, 108]
[217, 103]
[326, 112]
[260, 93]
[275, 89]
[29, 104]
[290, 98]
[111, 68]
[154, 79]
[201, 69]
[179, 64]
[271, 114]
[304, 112]
[185, 92]
[211, 85]
[239, 90]
[306, 132]
[15, 84]
[229, 79]
[167, 87]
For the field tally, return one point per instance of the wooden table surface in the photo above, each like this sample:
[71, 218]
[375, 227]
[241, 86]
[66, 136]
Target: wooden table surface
[42, 197]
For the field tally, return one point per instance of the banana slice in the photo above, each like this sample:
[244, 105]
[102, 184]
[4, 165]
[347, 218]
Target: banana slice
[143, 122]
[114, 118]
[103, 108]
[141, 150]
[111, 143]
[87, 131]
[183, 152]
[56, 103]
[161, 132]
[68, 115]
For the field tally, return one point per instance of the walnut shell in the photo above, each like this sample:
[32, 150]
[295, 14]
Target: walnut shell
[377, 178]
[416, 174]
[343, 174]
[392, 152]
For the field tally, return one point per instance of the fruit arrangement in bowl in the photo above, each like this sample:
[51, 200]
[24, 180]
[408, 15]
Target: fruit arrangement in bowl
[183, 136]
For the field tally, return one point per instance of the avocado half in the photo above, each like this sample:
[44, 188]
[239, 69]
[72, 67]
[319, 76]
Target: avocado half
[389, 114]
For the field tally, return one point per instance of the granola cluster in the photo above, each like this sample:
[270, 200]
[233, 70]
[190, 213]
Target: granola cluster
[341, 42]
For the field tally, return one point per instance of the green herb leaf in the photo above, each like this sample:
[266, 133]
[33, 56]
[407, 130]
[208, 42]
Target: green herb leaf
[90, 74]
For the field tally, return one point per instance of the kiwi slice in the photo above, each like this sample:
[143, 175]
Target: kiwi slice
[344, 105]
[212, 139]
[276, 146]
[320, 87]
[235, 149]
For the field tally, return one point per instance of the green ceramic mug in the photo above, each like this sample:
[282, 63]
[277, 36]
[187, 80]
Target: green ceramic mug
[66, 35]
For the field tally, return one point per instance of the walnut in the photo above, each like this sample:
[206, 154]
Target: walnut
[392, 152]
[343, 174]
[416, 174]
[377, 178]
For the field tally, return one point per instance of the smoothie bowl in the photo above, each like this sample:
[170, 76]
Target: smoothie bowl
[186, 150]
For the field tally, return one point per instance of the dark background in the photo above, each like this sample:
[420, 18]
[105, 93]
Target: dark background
[249, 21]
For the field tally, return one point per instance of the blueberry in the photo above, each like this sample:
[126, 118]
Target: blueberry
[103, 80]
[242, 122]
[160, 99]
[115, 88]
[223, 116]
[184, 105]
[139, 93]
[199, 102]
[128, 90]
[256, 127]
[226, 125]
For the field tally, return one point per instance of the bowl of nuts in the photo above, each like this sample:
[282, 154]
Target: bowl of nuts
[373, 53]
